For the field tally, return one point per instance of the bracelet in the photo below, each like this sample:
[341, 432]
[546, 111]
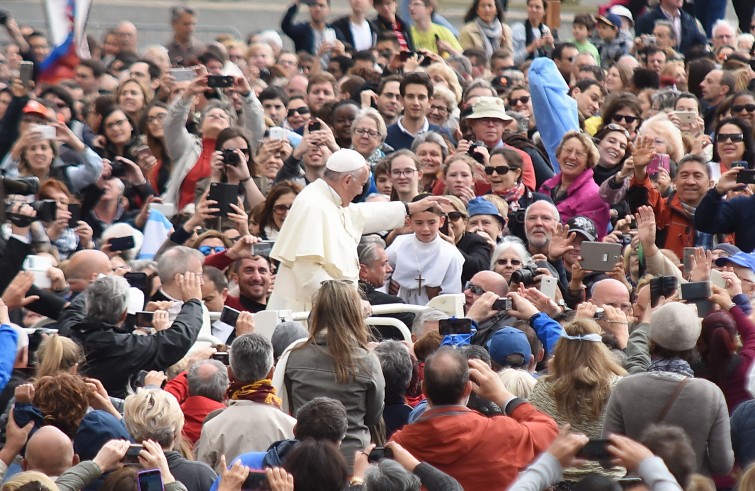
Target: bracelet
[244, 179]
[406, 207]
[355, 481]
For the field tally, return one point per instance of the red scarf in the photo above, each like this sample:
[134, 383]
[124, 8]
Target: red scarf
[260, 391]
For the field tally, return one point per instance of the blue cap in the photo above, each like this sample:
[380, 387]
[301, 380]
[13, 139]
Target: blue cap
[481, 206]
[509, 341]
[740, 259]
[610, 19]
[96, 429]
[729, 249]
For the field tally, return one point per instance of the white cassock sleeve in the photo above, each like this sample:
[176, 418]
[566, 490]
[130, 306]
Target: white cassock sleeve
[452, 279]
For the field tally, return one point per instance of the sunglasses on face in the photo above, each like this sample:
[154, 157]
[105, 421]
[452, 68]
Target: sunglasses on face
[513, 262]
[732, 137]
[455, 216]
[207, 250]
[738, 108]
[501, 170]
[524, 100]
[300, 110]
[617, 118]
[476, 290]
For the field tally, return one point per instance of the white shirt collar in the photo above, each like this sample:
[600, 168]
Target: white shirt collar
[424, 129]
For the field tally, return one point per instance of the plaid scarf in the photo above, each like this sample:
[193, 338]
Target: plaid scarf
[259, 391]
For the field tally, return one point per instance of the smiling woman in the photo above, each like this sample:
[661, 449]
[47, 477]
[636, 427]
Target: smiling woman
[733, 142]
[574, 190]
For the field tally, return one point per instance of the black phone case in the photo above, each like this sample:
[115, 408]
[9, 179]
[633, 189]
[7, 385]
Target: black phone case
[224, 194]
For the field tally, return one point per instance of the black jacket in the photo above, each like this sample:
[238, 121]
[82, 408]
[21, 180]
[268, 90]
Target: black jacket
[691, 33]
[342, 27]
[114, 357]
[301, 33]
[375, 297]
[196, 476]
[476, 254]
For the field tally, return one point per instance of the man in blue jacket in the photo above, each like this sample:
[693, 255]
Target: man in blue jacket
[714, 215]
[687, 31]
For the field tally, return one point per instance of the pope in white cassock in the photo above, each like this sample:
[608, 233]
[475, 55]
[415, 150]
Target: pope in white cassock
[318, 240]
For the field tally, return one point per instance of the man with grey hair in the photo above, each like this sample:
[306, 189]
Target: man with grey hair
[426, 321]
[332, 226]
[374, 272]
[540, 220]
[183, 49]
[170, 265]
[284, 334]
[207, 381]
[396, 364]
[723, 34]
[114, 356]
[253, 419]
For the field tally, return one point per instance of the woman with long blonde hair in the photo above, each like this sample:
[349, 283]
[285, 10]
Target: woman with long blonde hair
[580, 378]
[335, 361]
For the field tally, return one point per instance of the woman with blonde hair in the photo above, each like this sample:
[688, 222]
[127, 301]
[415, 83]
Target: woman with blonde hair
[41, 481]
[574, 190]
[444, 76]
[335, 360]
[155, 416]
[667, 137]
[58, 353]
[580, 378]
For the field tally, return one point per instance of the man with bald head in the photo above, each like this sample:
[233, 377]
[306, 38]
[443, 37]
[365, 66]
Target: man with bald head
[50, 452]
[613, 296]
[460, 441]
[84, 267]
[488, 322]
[127, 37]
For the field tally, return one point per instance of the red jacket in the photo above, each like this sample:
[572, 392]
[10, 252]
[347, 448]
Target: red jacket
[195, 408]
[481, 453]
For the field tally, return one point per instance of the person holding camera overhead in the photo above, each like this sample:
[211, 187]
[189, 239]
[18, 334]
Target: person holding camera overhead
[191, 155]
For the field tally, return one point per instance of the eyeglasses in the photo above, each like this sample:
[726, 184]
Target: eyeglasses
[157, 117]
[113, 124]
[301, 110]
[519, 100]
[207, 250]
[732, 137]
[403, 172]
[476, 290]
[501, 170]
[738, 108]
[455, 216]
[365, 131]
[617, 118]
[281, 209]
[440, 109]
[571, 151]
[513, 262]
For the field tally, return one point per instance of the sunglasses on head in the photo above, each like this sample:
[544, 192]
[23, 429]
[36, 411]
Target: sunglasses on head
[207, 250]
[732, 137]
[616, 127]
[501, 170]
[738, 108]
[629, 119]
[301, 110]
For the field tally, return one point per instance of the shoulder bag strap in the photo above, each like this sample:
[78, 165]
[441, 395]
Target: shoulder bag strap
[671, 400]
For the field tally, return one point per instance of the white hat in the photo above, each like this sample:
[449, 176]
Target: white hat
[622, 11]
[489, 107]
[346, 160]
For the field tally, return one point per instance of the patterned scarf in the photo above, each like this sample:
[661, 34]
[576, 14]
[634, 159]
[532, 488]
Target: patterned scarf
[513, 195]
[260, 391]
[675, 366]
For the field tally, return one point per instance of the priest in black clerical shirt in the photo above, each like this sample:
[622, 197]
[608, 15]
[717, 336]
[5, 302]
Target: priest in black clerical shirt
[374, 272]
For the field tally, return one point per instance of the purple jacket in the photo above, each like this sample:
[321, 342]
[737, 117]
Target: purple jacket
[582, 198]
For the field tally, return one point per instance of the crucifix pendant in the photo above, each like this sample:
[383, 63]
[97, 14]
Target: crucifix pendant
[419, 281]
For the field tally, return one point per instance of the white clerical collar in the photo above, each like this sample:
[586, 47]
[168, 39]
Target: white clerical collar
[424, 129]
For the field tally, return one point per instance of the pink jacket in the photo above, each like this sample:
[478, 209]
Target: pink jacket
[582, 198]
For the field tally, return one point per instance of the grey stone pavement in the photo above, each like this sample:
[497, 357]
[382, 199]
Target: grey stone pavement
[241, 17]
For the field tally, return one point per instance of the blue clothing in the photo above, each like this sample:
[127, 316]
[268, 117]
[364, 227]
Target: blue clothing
[691, 35]
[548, 331]
[253, 460]
[716, 216]
[555, 112]
[8, 349]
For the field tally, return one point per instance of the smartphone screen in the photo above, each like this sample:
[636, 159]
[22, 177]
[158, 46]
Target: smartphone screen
[229, 316]
[144, 319]
[150, 480]
[454, 326]
[75, 210]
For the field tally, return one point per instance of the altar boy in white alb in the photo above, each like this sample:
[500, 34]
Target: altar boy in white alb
[425, 265]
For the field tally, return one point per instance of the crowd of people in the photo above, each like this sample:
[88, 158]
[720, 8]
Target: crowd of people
[590, 197]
